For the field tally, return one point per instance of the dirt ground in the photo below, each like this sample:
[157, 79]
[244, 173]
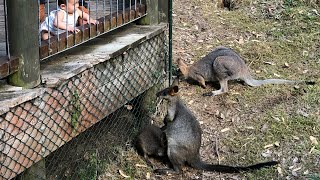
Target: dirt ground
[277, 39]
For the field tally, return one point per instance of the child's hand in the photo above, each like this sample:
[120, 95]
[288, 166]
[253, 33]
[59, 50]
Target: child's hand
[93, 21]
[73, 29]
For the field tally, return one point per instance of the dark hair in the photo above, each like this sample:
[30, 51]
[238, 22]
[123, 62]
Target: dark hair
[62, 2]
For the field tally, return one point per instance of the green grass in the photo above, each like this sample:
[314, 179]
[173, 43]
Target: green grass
[291, 35]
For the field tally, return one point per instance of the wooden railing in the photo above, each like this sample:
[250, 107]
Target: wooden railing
[68, 40]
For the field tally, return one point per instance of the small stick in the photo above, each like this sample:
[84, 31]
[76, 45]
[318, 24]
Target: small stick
[217, 153]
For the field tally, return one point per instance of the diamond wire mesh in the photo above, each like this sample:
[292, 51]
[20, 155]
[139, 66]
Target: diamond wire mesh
[63, 126]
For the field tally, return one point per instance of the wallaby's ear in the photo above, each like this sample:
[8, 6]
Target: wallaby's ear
[174, 90]
[175, 82]
[183, 67]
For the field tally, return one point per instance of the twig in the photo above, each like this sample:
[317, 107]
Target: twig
[217, 153]
[217, 149]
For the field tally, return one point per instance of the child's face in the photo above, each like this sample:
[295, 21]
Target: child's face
[71, 6]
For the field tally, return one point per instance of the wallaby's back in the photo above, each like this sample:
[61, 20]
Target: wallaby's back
[184, 130]
[211, 70]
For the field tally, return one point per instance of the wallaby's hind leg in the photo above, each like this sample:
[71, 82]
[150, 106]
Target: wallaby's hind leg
[225, 68]
[223, 89]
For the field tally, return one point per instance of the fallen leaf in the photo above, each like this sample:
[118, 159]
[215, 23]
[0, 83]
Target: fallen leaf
[296, 138]
[296, 169]
[304, 114]
[148, 175]
[141, 165]
[241, 41]
[267, 153]
[123, 174]
[225, 129]
[222, 116]
[268, 146]
[196, 27]
[280, 171]
[277, 75]
[129, 107]
[264, 127]
[276, 118]
[190, 102]
[294, 173]
[295, 160]
[270, 63]
[313, 140]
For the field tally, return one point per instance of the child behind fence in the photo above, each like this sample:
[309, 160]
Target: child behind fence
[63, 19]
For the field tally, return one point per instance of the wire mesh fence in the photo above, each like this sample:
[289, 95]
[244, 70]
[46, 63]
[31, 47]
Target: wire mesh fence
[72, 131]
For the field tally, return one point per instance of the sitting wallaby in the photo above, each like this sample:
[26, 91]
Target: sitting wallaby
[151, 142]
[223, 64]
[183, 134]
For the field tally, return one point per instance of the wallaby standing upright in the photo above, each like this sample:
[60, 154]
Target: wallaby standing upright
[151, 142]
[223, 64]
[183, 134]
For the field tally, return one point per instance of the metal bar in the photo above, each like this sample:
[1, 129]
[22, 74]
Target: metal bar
[6, 28]
[170, 41]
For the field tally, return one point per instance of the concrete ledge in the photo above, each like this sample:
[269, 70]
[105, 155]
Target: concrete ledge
[11, 99]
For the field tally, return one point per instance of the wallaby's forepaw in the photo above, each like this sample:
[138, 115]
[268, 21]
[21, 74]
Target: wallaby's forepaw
[208, 94]
[164, 171]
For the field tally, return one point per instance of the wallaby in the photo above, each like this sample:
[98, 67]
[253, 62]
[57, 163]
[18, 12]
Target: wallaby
[183, 134]
[151, 142]
[223, 64]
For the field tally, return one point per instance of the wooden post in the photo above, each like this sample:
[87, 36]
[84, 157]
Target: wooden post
[23, 25]
[153, 13]
[164, 11]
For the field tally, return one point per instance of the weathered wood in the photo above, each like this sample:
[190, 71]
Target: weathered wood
[163, 11]
[53, 45]
[152, 16]
[8, 66]
[23, 41]
[4, 67]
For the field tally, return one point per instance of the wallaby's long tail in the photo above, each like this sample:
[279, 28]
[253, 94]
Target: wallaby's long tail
[253, 82]
[231, 169]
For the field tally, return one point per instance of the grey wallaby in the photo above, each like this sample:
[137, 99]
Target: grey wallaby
[151, 142]
[223, 64]
[183, 134]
